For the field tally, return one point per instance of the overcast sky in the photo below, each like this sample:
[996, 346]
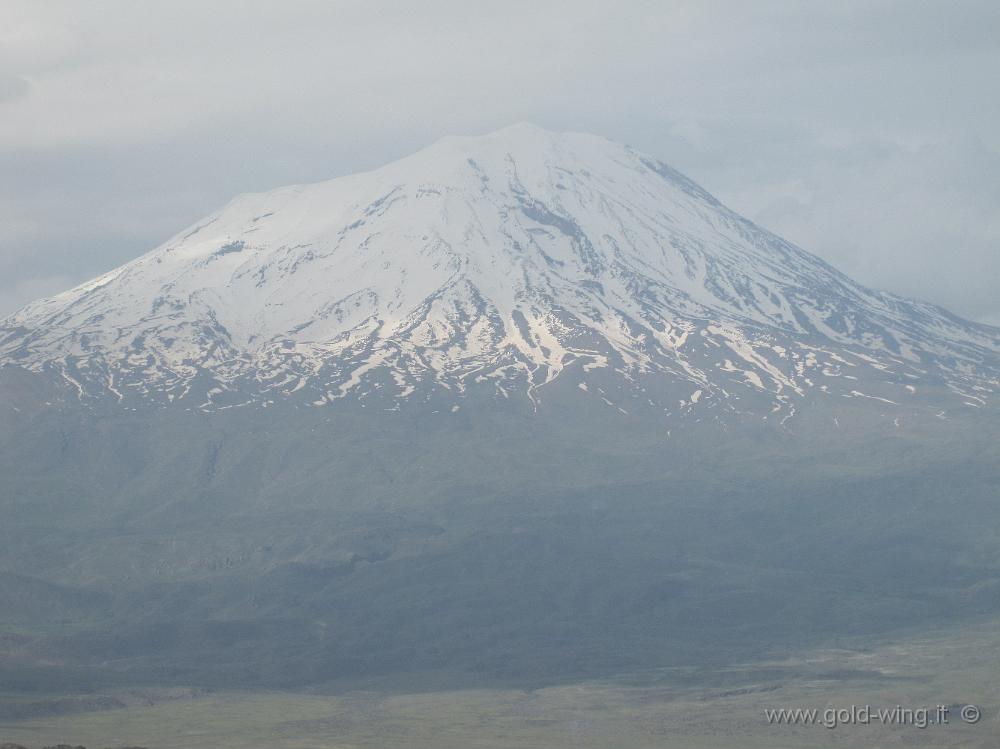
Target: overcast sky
[867, 132]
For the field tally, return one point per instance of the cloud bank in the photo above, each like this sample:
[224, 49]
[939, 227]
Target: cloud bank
[867, 132]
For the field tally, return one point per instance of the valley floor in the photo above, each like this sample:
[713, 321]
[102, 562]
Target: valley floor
[663, 708]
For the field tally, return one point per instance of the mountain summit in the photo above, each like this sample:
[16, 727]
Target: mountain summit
[503, 263]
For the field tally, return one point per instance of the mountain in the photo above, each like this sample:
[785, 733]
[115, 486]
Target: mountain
[524, 407]
[498, 264]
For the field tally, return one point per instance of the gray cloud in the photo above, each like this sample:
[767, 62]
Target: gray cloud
[12, 87]
[867, 132]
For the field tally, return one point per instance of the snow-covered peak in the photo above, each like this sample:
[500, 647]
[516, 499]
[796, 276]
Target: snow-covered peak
[517, 256]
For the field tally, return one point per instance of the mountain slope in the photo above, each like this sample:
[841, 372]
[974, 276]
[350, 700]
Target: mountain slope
[522, 407]
[500, 263]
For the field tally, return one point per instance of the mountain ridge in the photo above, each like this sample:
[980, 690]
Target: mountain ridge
[566, 435]
[506, 260]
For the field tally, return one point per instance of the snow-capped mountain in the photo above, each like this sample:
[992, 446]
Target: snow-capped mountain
[505, 263]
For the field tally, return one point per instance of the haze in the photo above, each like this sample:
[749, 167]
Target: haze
[865, 132]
